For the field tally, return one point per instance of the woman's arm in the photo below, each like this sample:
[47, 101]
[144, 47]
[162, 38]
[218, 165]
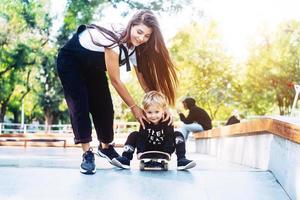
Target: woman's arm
[141, 80]
[112, 66]
[191, 118]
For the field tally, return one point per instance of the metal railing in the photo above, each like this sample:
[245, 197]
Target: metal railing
[15, 128]
[120, 127]
[294, 111]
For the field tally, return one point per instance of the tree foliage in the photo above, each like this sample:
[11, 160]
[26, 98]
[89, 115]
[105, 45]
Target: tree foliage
[205, 71]
[27, 55]
[273, 68]
[23, 27]
[84, 11]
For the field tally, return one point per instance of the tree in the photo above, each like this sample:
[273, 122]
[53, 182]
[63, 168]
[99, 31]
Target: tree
[205, 71]
[273, 69]
[23, 26]
[50, 94]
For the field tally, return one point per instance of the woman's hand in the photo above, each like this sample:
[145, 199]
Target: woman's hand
[139, 115]
[168, 116]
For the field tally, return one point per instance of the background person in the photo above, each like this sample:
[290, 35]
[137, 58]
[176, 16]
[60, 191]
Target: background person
[234, 118]
[197, 119]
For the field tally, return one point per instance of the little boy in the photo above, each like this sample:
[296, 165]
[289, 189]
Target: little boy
[157, 135]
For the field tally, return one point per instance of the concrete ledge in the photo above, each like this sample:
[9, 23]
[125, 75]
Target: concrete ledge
[254, 127]
[284, 163]
[250, 150]
[266, 144]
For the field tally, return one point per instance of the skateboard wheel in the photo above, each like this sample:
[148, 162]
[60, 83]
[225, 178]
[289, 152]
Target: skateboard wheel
[165, 165]
[142, 165]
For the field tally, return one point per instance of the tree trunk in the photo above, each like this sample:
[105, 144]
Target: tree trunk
[16, 116]
[3, 111]
[4, 106]
[48, 117]
[48, 120]
[1, 116]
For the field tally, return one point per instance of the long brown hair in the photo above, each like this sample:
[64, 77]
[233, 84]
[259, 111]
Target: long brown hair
[153, 58]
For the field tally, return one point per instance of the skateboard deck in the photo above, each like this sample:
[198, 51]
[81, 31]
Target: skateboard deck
[154, 160]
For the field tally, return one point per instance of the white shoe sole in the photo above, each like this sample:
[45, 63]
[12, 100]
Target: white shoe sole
[188, 166]
[116, 163]
[99, 153]
[84, 171]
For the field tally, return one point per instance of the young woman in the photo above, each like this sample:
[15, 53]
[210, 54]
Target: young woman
[82, 65]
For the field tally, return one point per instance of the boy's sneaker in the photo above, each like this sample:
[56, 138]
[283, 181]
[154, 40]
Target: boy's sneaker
[109, 153]
[88, 163]
[183, 164]
[121, 162]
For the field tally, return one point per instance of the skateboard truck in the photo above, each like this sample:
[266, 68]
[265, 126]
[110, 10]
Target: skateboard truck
[154, 160]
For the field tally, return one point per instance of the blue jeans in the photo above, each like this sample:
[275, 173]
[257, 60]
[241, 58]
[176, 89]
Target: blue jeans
[187, 128]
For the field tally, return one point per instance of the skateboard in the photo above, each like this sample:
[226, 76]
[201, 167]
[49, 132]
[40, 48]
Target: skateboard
[154, 160]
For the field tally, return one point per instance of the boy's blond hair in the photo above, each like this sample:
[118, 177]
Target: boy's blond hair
[154, 98]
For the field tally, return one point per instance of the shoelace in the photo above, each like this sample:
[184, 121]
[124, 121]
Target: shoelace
[113, 151]
[89, 156]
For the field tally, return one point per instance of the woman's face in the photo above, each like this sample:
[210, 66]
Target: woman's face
[140, 34]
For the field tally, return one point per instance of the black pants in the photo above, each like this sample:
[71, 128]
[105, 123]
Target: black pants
[137, 140]
[87, 92]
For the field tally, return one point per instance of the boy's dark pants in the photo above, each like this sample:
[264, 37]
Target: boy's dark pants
[173, 141]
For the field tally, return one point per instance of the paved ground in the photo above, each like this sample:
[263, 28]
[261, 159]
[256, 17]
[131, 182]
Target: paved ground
[53, 173]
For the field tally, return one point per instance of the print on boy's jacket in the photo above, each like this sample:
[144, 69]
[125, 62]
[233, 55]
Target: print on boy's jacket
[155, 136]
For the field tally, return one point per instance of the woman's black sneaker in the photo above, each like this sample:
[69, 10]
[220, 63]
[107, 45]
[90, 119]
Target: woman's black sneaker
[88, 163]
[183, 164]
[121, 162]
[109, 153]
